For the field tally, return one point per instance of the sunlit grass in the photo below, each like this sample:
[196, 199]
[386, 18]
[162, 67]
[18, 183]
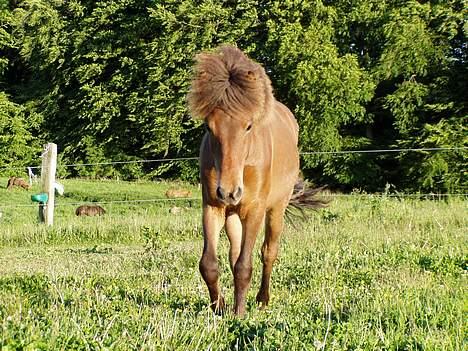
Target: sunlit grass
[367, 273]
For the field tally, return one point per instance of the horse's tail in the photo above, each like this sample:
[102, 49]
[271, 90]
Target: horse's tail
[303, 198]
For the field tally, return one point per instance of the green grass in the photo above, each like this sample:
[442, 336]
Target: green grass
[367, 273]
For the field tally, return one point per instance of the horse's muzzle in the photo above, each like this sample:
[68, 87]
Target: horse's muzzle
[229, 198]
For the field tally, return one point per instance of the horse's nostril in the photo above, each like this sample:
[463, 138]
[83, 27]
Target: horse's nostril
[230, 197]
[220, 193]
[237, 194]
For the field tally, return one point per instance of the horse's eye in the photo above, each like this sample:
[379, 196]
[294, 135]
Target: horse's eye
[249, 127]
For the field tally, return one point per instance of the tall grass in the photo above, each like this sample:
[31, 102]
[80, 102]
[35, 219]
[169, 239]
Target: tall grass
[367, 273]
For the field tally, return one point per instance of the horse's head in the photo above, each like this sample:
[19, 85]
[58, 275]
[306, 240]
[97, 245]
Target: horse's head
[229, 139]
[229, 92]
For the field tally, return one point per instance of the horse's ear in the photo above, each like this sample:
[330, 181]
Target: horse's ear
[251, 75]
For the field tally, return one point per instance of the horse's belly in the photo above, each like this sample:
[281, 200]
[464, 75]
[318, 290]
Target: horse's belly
[283, 179]
[285, 160]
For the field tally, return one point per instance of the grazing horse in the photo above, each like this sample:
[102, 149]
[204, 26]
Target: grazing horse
[178, 193]
[15, 181]
[249, 165]
[90, 210]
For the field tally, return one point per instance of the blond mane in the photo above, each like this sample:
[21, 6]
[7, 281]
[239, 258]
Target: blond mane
[229, 80]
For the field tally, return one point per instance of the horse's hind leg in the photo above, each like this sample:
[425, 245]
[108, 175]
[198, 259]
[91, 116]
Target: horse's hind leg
[213, 221]
[273, 227]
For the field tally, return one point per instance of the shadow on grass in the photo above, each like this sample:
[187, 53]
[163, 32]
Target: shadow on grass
[96, 249]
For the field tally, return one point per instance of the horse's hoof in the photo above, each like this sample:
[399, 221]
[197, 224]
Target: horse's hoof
[239, 312]
[262, 301]
[219, 306]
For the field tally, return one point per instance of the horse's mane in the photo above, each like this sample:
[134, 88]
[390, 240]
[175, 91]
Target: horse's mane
[229, 80]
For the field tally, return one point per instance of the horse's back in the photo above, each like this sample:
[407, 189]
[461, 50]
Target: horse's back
[285, 158]
[288, 122]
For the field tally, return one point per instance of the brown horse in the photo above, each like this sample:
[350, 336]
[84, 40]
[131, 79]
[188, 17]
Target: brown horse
[20, 182]
[90, 210]
[249, 164]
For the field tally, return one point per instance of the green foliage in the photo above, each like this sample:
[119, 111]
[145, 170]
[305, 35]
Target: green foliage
[6, 38]
[442, 171]
[329, 89]
[409, 46]
[109, 80]
[416, 56]
[18, 146]
[403, 104]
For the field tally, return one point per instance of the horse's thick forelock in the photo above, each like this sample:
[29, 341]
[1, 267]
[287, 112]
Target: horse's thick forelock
[229, 80]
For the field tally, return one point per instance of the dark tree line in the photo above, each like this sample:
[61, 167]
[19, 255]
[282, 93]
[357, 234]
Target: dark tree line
[107, 80]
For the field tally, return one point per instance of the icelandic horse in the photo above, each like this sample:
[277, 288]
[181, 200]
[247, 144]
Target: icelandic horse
[249, 165]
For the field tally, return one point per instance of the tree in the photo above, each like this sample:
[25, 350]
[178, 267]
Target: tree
[107, 81]
[18, 146]
[367, 74]
[112, 76]
[326, 90]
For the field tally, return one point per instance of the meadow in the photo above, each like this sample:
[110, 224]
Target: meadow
[367, 273]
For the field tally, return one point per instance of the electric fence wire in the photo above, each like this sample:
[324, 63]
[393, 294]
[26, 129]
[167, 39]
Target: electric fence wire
[341, 152]
[189, 199]
[192, 158]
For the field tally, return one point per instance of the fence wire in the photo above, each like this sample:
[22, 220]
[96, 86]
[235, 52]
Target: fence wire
[198, 199]
[192, 158]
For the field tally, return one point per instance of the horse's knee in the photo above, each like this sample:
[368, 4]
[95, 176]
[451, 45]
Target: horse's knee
[242, 272]
[209, 269]
[269, 254]
[269, 259]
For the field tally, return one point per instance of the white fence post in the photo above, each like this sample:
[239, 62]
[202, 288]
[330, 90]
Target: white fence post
[49, 166]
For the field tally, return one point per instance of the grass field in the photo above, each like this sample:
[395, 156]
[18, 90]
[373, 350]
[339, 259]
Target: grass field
[367, 273]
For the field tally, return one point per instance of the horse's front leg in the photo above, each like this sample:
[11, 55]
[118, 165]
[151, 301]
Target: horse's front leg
[213, 221]
[251, 225]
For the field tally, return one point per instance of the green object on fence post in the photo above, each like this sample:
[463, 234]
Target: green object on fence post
[42, 199]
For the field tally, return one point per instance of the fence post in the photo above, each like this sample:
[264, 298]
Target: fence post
[49, 166]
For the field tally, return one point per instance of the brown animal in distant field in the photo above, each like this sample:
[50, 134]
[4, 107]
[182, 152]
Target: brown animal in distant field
[178, 193]
[90, 210]
[249, 164]
[14, 181]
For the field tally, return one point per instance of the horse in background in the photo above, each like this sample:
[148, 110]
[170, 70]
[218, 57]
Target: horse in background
[20, 182]
[249, 165]
[90, 210]
[178, 193]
